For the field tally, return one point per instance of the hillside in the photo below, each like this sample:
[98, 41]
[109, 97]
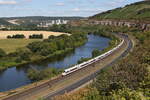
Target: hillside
[138, 10]
[42, 18]
[37, 19]
[3, 22]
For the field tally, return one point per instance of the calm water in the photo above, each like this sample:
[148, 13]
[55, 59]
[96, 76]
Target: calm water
[15, 77]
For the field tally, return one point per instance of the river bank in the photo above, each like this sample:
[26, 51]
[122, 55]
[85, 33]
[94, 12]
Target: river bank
[49, 50]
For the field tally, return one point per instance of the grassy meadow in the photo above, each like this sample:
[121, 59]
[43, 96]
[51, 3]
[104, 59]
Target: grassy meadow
[10, 45]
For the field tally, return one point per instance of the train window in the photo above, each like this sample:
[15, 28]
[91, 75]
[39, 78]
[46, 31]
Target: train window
[66, 71]
[73, 69]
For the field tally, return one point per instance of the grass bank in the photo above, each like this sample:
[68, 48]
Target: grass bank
[10, 45]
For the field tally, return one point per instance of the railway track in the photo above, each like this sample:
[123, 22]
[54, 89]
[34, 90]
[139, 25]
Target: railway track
[33, 91]
[92, 76]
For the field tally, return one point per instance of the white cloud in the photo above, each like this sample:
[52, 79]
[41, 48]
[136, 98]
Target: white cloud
[76, 9]
[28, 0]
[87, 10]
[116, 2]
[8, 2]
[60, 4]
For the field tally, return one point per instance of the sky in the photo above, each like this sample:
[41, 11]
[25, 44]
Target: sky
[84, 8]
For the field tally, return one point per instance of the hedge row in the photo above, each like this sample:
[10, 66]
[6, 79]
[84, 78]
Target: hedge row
[21, 36]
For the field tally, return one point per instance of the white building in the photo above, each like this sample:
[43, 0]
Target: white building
[52, 22]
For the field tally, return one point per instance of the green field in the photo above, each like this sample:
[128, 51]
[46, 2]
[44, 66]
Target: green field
[10, 45]
[139, 10]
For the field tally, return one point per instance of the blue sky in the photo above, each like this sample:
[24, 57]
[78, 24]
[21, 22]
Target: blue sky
[11, 8]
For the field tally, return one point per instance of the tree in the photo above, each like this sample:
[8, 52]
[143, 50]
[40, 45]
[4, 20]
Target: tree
[33, 74]
[23, 54]
[8, 36]
[2, 53]
[127, 94]
[36, 75]
[95, 53]
[16, 36]
[36, 36]
[53, 44]
[51, 37]
[83, 60]
[34, 46]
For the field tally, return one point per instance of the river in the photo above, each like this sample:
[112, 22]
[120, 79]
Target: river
[15, 77]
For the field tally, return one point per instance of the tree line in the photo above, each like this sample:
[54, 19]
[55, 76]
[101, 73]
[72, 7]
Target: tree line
[17, 36]
[53, 44]
[21, 36]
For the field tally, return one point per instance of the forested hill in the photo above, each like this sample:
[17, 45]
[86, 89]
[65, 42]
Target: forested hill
[42, 18]
[3, 22]
[34, 20]
[138, 10]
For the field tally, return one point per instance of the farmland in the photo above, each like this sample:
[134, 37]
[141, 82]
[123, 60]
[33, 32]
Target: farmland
[4, 34]
[10, 45]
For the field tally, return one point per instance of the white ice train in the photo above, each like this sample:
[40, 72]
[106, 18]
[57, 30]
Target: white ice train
[84, 64]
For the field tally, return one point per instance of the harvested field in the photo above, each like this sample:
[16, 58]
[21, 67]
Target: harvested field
[4, 34]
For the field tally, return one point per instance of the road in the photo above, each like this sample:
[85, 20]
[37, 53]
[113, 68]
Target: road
[70, 82]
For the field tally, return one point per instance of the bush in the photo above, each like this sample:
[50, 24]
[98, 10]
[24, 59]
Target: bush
[36, 75]
[52, 37]
[87, 93]
[16, 36]
[36, 36]
[143, 11]
[18, 60]
[83, 60]
[8, 36]
[127, 94]
[2, 53]
[96, 52]
[33, 74]
[22, 54]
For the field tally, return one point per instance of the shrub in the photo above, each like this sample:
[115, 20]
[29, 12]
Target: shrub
[18, 60]
[22, 54]
[127, 94]
[52, 37]
[36, 75]
[16, 36]
[2, 53]
[36, 36]
[8, 36]
[83, 60]
[96, 52]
